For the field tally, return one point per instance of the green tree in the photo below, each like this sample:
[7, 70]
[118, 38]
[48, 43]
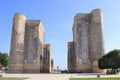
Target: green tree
[4, 59]
[110, 60]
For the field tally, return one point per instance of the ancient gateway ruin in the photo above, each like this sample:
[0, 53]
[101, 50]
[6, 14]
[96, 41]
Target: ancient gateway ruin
[88, 44]
[28, 52]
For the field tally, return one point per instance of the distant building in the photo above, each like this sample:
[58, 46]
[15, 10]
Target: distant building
[88, 42]
[27, 46]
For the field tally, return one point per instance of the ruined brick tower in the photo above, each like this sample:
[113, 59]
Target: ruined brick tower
[88, 44]
[27, 46]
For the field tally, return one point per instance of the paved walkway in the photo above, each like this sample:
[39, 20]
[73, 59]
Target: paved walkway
[57, 76]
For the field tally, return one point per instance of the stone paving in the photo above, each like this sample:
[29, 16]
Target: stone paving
[57, 76]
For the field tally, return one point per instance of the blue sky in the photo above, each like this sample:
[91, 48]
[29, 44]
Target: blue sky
[57, 17]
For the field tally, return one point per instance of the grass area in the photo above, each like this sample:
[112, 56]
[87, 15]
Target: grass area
[94, 79]
[11, 79]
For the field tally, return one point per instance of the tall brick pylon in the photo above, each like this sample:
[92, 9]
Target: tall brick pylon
[16, 59]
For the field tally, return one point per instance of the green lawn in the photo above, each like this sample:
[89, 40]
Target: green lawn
[94, 78]
[11, 79]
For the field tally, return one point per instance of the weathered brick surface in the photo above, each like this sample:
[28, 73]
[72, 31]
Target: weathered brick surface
[17, 44]
[47, 59]
[88, 42]
[27, 46]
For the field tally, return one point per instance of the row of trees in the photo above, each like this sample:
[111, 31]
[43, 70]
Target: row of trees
[4, 59]
[111, 60]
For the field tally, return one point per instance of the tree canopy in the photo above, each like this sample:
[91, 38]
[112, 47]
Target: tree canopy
[4, 59]
[110, 60]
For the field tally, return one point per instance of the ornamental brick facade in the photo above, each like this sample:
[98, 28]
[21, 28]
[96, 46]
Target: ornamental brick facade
[88, 42]
[27, 52]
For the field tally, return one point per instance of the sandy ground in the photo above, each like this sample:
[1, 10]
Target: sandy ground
[58, 76]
